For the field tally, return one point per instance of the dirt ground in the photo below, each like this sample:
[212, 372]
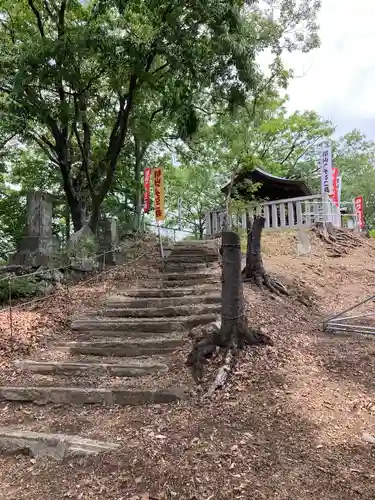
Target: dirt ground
[288, 426]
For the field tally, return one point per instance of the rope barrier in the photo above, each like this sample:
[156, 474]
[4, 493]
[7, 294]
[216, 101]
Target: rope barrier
[77, 284]
[59, 268]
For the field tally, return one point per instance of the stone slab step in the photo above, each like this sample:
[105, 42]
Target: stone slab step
[196, 257]
[188, 275]
[139, 369]
[193, 243]
[186, 282]
[185, 257]
[184, 266]
[194, 248]
[122, 348]
[56, 446]
[162, 292]
[80, 396]
[162, 312]
[157, 325]
[124, 335]
[122, 301]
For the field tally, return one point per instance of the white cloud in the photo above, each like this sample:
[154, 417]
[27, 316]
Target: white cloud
[339, 77]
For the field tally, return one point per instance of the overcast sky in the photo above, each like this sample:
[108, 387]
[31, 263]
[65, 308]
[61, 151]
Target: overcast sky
[339, 77]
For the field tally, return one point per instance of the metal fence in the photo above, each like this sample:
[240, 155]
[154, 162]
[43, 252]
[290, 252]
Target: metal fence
[171, 233]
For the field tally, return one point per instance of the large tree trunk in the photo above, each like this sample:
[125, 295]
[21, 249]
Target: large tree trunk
[254, 268]
[95, 215]
[234, 333]
[77, 212]
[139, 153]
[72, 187]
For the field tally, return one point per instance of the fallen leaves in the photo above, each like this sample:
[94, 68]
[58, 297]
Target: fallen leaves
[284, 427]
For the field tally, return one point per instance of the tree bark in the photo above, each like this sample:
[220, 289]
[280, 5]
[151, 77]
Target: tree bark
[254, 269]
[234, 333]
[67, 224]
[95, 214]
[138, 185]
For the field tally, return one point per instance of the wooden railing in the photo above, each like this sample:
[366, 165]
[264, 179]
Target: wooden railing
[290, 213]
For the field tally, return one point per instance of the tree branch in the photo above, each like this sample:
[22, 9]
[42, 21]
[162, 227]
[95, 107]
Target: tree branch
[61, 20]
[292, 148]
[305, 150]
[49, 11]
[160, 68]
[5, 142]
[117, 136]
[154, 113]
[42, 143]
[9, 30]
[38, 18]
[85, 146]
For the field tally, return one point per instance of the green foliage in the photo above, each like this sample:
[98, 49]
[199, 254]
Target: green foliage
[270, 138]
[354, 156]
[82, 80]
[20, 288]
[85, 248]
[12, 216]
[197, 188]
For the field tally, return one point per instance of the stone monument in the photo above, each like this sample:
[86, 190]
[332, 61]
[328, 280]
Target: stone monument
[108, 240]
[36, 246]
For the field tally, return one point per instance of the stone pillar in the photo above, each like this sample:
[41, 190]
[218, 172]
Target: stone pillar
[36, 247]
[115, 237]
[108, 240]
[303, 242]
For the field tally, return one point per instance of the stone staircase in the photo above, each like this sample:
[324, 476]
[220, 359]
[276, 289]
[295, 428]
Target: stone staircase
[124, 355]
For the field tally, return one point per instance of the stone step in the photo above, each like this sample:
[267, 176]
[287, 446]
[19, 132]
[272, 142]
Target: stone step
[201, 257]
[162, 312]
[183, 267]
[210, 248]
[56, 446]
[164, 292]
[122, 348]
[108, 332]
[122, 301]
[187, 276]
[157, 325]
[197, 258]
[81, 396]
[186, 282]
[193, 243]
[138, 369]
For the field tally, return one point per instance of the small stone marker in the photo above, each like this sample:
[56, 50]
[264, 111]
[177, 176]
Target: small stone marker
[303, 242]
[108, 240]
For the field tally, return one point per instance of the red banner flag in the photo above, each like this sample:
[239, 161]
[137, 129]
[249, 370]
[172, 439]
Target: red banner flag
[159, 194]
[147, 182]
[335, 186]
[358, 205]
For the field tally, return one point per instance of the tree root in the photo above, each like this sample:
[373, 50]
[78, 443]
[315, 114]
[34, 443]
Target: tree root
[206, 347]
[223, 373]
[264, 279]
[338, 240]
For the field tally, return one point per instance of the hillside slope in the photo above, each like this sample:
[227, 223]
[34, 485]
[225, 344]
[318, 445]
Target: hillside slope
[288, 425]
